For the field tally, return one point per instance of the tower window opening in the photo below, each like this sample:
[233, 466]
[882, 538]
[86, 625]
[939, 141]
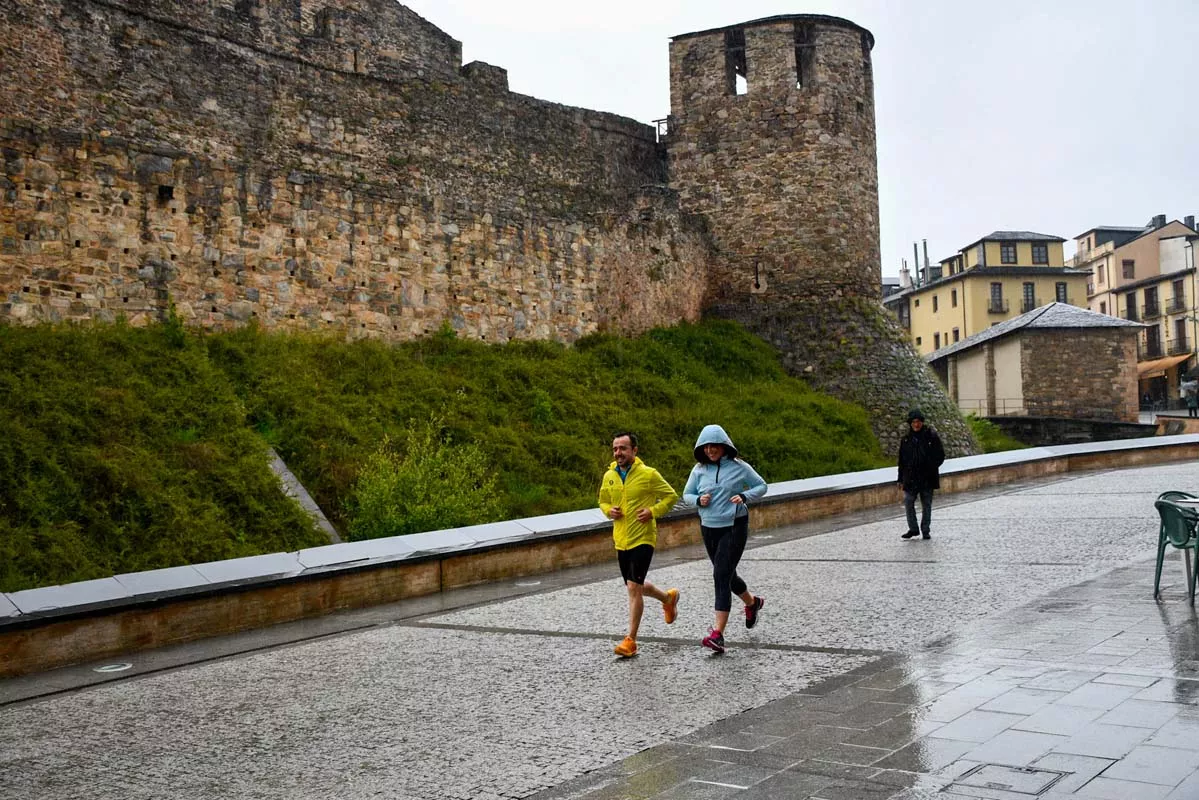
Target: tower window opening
[734, 61]
[166, 194]
[805, 53]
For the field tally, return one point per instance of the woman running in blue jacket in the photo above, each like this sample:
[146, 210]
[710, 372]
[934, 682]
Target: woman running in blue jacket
[721, 486]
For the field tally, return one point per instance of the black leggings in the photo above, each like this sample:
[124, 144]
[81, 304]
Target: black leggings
[725, 546]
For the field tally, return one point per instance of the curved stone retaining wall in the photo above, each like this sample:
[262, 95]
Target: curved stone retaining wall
[59, 625]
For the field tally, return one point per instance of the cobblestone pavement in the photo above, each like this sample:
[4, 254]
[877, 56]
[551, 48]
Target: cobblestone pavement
[1017, 651]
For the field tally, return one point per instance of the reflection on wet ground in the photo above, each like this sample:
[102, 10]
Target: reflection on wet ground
[1091, 692]
[1017, 654]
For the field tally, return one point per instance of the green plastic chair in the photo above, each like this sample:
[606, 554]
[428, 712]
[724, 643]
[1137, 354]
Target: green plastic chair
[1178, 529]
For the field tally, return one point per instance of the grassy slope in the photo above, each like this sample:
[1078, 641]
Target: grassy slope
[543, 413]
[991, 439]
[128, 449]
[120, 451]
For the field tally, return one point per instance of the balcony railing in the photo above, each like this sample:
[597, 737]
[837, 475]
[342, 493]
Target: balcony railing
[1150, 311]
[1177, 347]
[1177, 305]
[1130, 314]
[1027, 304]
[1090, 287]
[997, 306]
[1149, 350]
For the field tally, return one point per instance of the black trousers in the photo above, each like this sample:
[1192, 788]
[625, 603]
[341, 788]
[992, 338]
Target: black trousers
[725, 546]
[926, 509]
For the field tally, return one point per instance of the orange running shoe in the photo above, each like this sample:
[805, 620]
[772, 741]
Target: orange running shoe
[626, 648]
[670, 609]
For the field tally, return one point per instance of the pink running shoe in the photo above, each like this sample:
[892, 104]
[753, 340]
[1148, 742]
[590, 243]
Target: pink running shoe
[714, 641]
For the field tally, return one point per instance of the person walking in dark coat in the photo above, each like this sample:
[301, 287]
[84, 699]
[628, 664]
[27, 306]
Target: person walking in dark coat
[920, 458]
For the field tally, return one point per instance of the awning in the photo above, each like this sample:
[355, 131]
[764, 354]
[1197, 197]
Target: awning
[1158, 366]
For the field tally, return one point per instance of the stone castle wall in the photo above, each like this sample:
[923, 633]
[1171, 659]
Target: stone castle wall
[239, 160]
[329, 164]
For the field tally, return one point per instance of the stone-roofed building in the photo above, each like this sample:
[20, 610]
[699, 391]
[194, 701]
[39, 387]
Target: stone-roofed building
[1054, 361]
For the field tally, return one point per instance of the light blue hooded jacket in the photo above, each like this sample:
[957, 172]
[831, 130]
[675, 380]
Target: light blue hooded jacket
[723, 480]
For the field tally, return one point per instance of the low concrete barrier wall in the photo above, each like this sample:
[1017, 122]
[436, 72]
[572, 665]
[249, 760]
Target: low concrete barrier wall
[59, 625]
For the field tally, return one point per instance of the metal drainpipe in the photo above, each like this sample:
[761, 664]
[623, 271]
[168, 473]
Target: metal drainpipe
[1190, 248]
[962, 281]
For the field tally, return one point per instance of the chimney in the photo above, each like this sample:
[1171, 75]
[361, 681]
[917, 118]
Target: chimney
[922, 277]
[905, 276]
[1159, 221]
[925, 243]
[1189, 221]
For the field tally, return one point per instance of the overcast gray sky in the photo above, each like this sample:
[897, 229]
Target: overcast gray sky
[1053, 116]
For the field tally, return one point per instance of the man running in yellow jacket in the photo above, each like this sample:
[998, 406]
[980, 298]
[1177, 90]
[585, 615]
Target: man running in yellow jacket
[633, 496]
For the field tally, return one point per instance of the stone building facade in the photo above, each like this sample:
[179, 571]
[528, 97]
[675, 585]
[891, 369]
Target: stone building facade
[1105, 387]
[330, 164]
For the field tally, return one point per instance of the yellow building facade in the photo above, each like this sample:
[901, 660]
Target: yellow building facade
[994, 279]
[1148, 275]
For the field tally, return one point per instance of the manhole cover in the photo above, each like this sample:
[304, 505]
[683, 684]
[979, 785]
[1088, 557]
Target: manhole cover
[1022, 780]
[112, 668]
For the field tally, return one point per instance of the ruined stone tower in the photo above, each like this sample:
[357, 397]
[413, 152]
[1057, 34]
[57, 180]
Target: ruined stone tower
[772, 140]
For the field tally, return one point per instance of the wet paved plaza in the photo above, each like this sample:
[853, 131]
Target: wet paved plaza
[1017, 654]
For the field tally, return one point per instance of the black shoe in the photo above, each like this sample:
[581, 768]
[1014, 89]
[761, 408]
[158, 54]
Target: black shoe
[910, 535]
[925, 536]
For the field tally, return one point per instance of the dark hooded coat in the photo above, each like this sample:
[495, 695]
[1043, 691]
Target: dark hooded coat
[920, 457]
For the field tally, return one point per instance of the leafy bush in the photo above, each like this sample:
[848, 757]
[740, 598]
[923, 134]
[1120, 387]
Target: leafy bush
[990, 437]
[433, 484]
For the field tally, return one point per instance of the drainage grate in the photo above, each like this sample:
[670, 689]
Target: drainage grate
[1021, 780]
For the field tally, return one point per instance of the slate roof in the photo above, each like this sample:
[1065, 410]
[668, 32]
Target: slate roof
[1021, 236]
[1053, 315]
[1014, 236]
[1116, 228]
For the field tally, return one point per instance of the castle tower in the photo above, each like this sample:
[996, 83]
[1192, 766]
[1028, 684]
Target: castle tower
[772, 139]
[786, 170]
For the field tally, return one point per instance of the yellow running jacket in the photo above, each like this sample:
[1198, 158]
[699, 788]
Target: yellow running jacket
[643, 487]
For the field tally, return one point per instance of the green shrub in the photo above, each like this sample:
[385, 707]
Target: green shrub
[432, 484]
[989, 436]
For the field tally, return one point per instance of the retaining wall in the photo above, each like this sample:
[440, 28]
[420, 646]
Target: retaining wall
[55, 626]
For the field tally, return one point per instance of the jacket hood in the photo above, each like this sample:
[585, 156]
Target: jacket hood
[713, 434]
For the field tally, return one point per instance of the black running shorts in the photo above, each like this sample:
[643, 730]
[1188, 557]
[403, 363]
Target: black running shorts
[634, 564]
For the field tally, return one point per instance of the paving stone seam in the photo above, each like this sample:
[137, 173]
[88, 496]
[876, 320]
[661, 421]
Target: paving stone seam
[908, 561]
[671, 640]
